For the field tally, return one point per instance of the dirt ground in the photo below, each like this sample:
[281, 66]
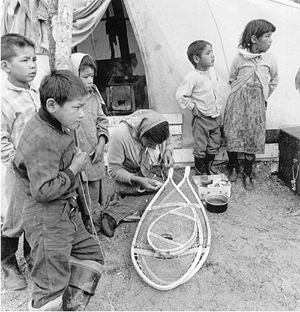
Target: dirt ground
[253, 263]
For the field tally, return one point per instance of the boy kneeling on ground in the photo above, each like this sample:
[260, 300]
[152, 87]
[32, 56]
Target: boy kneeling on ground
[67, 259]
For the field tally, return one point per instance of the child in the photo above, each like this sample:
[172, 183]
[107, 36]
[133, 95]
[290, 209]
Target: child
[19, 101]
[92, 135]
[199, 93]
[253, 77]
[67, 259]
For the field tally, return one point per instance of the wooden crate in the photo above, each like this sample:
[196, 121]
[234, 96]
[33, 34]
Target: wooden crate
[289, 156]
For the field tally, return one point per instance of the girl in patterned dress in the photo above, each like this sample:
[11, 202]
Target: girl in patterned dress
[253, 77]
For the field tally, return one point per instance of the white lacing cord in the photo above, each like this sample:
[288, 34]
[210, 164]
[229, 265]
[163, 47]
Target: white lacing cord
[89, 208]
[295, 172]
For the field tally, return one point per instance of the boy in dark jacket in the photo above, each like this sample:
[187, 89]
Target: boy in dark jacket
[67, 259]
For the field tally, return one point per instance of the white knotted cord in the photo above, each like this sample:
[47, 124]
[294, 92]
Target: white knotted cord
[89, 208]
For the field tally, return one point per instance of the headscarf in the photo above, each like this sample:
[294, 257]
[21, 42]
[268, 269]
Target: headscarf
[76, 59]
[143, 120]
[140, 122]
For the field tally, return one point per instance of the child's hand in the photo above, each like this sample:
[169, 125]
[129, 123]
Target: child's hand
[97, 154]
[79, 161]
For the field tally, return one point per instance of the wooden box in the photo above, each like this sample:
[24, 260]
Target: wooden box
[212, 184]
[289, 157]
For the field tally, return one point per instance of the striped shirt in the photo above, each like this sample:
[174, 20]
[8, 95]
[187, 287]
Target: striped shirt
[18, 105]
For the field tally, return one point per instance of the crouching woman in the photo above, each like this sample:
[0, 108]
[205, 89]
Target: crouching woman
[139, 155]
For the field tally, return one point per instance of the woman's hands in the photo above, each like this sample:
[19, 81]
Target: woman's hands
[168, 161]
[146, 183]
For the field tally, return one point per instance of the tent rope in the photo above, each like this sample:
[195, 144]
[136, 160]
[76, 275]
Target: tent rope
[219, 35]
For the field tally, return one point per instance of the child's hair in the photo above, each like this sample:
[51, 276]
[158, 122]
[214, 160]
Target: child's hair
[255, 28]
[158, 133]
[87, 61]
[62, 86]
[196, 48]
[9, 42]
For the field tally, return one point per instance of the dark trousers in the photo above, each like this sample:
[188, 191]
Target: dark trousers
[207, 135]
[55, 231]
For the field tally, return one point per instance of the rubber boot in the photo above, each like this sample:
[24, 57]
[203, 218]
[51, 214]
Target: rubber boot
[108, 224]
[85, 275]
[248, 184]
[13, 278]
[54, 305]
[27, 255]
[208, 161]
[87, 223]
[199, 165]
[233, 166]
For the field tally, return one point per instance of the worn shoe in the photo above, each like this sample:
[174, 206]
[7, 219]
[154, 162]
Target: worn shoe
[54, 305]
[248, 184]
[13, 278]
[199, 165]
[208, 161]
[108, 225]
[84, 279]
[233, 175]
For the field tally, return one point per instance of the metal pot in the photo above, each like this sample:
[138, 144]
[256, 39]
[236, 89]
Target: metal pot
[216, 203]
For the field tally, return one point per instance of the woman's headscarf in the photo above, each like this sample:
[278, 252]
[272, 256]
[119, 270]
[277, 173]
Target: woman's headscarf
[140, 122]
[143, 120]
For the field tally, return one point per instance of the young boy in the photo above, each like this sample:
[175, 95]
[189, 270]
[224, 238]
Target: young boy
[19, 102]
[92, 135]
[199, 93]
[67, 259]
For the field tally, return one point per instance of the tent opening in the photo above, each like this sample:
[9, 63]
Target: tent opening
[121, 74]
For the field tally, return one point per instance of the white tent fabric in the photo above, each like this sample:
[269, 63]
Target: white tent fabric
[18, 16]
[164, 29]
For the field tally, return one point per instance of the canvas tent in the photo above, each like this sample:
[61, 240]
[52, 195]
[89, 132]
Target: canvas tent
[163, 29]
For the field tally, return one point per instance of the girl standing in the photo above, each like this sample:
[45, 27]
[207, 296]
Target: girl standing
[253, 77]
[91, 137]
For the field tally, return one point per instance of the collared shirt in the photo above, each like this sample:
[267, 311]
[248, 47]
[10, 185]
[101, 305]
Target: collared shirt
[18, 105]
[200, 89]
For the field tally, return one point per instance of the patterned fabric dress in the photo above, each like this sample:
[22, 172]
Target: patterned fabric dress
[245, 120]
[253, 77]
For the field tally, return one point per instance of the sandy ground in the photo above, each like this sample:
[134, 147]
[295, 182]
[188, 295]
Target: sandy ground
[253, 263]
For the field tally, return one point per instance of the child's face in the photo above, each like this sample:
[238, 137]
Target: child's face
[71, 113]
[87, 76]
[22, 68]
[263, 44]
[206, 60]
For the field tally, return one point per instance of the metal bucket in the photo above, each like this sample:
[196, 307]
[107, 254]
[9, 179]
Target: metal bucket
[216, 203]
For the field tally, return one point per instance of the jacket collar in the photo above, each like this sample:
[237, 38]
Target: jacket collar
[47, 117]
